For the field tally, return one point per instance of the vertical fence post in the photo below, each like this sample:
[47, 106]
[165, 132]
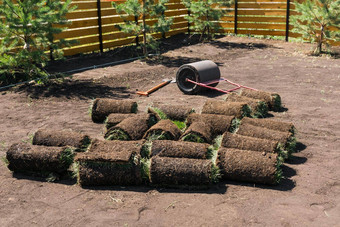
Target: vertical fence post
[188, 23]
[99, 13]
[235, 17]
[287, 20]
[137, 37]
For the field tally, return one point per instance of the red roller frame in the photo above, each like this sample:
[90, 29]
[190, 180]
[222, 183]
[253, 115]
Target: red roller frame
[206, 85]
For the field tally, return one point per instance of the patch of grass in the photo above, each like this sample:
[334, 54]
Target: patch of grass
[180, 124]
[75, 170]
[5, 160]
[261, 110]
[246, 111]
[215, 174]
[235, 123]
[193, 137]
[145, 170]
[90, 109]
[159, 135]
[291, 145]
[29, 139]
[146, 149]
[118, 134]
[160, 113]
[277, 102]
[85, 143]
[134, 108]
[152, 121]
[67, 156]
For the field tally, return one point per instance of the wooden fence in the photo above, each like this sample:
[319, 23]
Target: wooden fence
[94, 23]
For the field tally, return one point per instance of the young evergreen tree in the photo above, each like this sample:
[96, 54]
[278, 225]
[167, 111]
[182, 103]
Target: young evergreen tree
[27, 34]
[144, 9]
[205, 15]
[318, 21]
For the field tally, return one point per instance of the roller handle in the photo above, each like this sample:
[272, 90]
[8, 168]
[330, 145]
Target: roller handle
[148, 92]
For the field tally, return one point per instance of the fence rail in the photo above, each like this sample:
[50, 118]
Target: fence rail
[94, 23]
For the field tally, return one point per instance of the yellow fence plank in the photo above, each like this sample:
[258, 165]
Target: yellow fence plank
[262, 5]
[261, 32]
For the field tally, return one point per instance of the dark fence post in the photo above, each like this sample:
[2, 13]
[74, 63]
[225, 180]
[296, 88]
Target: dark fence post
[99, 13]
[287, 20]
[188, 23]
[235, 17]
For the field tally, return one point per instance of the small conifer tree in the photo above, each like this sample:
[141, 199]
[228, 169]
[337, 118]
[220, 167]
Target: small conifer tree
[144, 9]
[204, 16]
[318, 21]
[27, 31]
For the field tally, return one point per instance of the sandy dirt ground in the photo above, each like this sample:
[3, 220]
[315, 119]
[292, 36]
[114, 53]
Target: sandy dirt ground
[308, 196]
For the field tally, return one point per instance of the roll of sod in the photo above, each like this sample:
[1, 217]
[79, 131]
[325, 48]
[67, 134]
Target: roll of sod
[219, 123]
[174, 112]
[258, 107]
[23, 157]
[163, 130]
[108, 168]
[249, 166]
[273, 100]
[110, 146]
[198, 132]
[115, 118]
[61, 138]
[101, 108]
[132, 128]
[237, 109]
[231, 140]
[270, 124]
[170, 172]
[180, 149]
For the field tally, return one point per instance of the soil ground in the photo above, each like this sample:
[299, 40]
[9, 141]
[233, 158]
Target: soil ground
[308, 196]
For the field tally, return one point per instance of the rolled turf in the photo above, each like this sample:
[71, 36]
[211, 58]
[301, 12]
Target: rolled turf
[174, 112]
[132, 128]
[167, 171]
[101, 108]
[61, 138]
[249, 166]
[273, 100]
[163, 130]
[259, 108]
[23, 157]
[198, 132]
[231, 140]
[219, 123]
[271, 124]
[115, 118]
[237, 109]
[110, 146]
[180, 149]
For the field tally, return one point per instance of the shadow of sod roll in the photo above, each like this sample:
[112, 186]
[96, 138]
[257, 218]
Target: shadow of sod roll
[199, 132]
[218, 123]
[163, 130]
[273, 100]
[180, 149]
[110, 163]
[271, 124]
[249, 166]
[101, 108]
[231, 140]
[61, 138]
[259, 108]
[286, 139]
[132, 128]
[169, 172]
[23, 157]
[237, 109]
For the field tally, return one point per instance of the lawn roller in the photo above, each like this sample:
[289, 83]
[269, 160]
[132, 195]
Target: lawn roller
[194, 77]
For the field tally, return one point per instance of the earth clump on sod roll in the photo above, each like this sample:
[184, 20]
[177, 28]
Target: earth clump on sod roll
[259, 108]
[61, 138]
[270, 124]
[101, 108]
[23, 157]
[167, 171]
[132, 128]
[119, 166]
[273, 100]
[249, 166]
[199, 132]
[219, 123]
[180, 149]
[163, 130]
[237, 109]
